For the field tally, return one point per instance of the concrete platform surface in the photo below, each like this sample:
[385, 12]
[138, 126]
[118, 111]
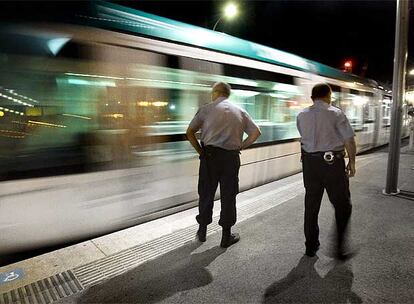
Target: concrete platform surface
[268, 264]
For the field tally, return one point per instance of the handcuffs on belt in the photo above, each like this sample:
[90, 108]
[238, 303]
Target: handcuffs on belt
[329, 157]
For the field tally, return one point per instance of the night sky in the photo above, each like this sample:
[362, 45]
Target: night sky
[328, 32]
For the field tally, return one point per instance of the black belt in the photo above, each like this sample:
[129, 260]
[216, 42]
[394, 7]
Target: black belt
[218, 149]
[328, 156]
[339, 154]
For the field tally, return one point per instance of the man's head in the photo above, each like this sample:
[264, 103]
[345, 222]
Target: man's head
[220, 89]
[322, 92]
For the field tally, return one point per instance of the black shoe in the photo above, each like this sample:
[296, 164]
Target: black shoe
[202, 233]
[311, 252]
[227, 241]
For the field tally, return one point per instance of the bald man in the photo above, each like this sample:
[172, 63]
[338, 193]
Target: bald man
[222, 127]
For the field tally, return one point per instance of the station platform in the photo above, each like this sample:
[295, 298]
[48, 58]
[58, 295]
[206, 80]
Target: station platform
[161, 262]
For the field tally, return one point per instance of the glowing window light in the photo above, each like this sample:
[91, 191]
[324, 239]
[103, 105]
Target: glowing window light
[167, 81]
[115, 115]
[94, 76]
[293, 102]
[409, 96]
[159, 103]
[129, 78]
[46, 124]
[143, 103]
[359, 101]
[285, 88]
[21, 96]
[244, 93]
[279, 95]
[77, 116]
[92, 83]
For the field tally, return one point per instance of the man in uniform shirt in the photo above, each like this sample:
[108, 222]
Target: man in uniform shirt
[222, 127]
[325, 132]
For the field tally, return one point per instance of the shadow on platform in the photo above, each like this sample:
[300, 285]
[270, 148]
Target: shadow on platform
[409, 195]
[159, 279]
[303, 284]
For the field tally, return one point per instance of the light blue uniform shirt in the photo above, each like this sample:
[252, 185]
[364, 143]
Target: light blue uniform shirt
[222, 124]
[323, 128]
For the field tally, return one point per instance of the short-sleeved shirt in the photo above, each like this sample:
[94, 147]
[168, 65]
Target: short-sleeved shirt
[222, 124]
[323, 128]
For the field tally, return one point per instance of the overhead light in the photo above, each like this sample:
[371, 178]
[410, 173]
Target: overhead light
[230, 10]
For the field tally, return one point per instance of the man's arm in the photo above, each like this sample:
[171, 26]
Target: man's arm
[350, 147]
[193, 140]
[251, 138]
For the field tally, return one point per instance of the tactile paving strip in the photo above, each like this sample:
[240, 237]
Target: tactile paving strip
[111, 266]
[70, 282]
[44, 291]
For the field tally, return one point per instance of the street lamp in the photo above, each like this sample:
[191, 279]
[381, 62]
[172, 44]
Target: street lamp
[230, 11]
[411, 73]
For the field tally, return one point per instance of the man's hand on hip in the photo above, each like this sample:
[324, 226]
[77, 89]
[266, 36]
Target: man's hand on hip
[350, 169]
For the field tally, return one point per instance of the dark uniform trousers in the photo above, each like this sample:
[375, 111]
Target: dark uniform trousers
[317, 176]
[218, 166]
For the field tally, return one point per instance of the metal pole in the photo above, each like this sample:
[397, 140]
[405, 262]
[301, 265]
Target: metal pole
[398, 89]
[411, 142]
[215, 25]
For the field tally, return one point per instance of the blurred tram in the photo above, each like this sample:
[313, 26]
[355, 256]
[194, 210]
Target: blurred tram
[93, 115]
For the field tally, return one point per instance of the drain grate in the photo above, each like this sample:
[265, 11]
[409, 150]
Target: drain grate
[48, 290]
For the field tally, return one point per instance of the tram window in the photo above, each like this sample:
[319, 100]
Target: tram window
[336, 96]
[386, 111]
[335, 88]
[114, 105]
[234, 71]
[353, 105]
[272, 104]
[274, 111]
[370, 108]
[201, 66]
[76, 50]
[255, 74]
